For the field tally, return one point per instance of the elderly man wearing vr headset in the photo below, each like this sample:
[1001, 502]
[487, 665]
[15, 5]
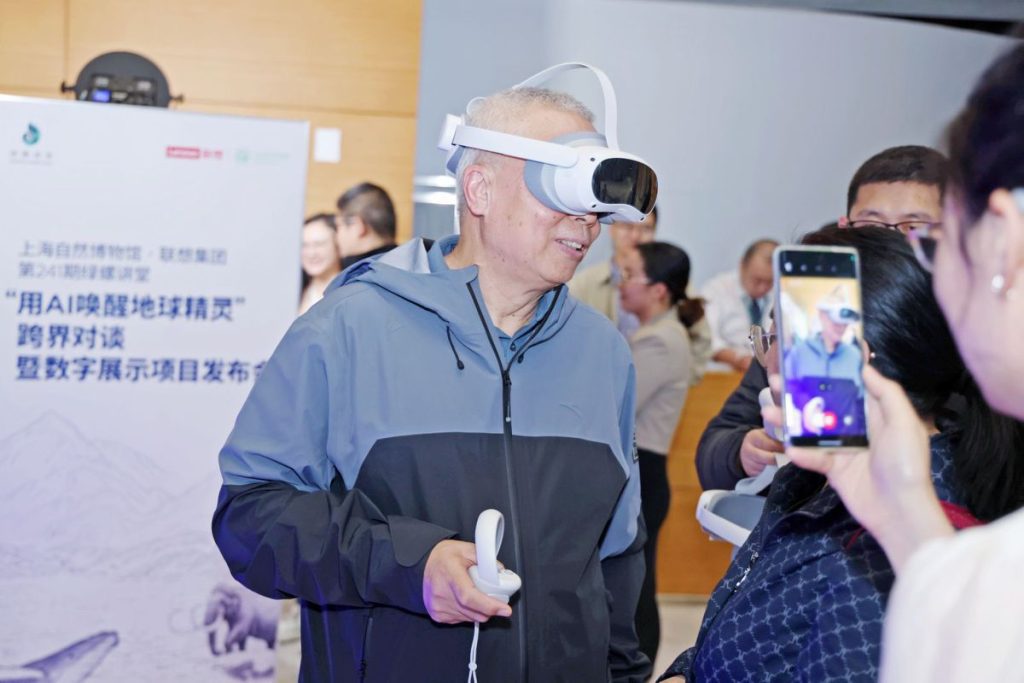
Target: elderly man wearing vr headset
[431, 384]
[828, 353]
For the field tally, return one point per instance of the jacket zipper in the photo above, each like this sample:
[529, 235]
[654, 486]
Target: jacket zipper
[366, 646]
[506, 404]
[755, 554]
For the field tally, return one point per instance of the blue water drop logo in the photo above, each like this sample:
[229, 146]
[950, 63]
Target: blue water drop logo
[31, 136]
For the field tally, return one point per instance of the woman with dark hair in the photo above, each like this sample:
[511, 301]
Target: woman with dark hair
[956, 612]
[653, 288]
[804, 598]
[320, 259]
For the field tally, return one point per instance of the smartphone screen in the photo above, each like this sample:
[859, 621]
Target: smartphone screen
[819, 317]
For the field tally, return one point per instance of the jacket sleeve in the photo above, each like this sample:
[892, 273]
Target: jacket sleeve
[622, 559]
[285, 523]
[680, 667]
[718, 453]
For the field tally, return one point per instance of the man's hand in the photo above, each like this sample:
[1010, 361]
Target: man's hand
[449, 595]
[758, 451]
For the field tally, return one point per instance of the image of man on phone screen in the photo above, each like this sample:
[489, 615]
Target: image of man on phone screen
[823, 371]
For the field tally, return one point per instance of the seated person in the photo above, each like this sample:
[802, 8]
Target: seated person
[737, 299]
[804, 598]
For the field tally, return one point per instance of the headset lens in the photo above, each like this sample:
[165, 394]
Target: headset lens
[624, 181]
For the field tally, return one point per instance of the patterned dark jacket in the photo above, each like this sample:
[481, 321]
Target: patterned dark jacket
[803, 599]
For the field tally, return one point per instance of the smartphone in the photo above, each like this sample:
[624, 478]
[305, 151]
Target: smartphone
[818, 315]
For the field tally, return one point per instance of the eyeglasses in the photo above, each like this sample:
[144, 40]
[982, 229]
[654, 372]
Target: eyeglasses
[760, 343]
[924, 241]
[906, 227]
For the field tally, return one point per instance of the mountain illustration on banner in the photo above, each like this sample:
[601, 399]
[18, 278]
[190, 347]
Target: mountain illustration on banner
[87, 506]
[73, 664]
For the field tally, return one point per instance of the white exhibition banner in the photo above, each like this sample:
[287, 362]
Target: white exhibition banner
[149, 263]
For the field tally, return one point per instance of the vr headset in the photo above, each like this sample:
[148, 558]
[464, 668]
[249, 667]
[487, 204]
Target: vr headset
[841, 315]
[575, 174]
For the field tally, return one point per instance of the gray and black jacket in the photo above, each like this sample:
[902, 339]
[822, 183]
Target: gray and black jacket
[387, 419]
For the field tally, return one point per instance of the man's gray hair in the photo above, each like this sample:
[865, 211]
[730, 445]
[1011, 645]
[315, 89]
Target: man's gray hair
[506, 112]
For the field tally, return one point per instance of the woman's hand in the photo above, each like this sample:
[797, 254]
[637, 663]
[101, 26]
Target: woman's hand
[886, 487]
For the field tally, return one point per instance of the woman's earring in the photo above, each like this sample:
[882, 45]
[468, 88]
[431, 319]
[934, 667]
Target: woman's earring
[998, 285]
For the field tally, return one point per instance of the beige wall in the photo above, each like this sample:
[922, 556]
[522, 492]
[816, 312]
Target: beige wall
[338, 63]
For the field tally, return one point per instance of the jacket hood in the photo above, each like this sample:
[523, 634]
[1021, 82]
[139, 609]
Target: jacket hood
[423, 278]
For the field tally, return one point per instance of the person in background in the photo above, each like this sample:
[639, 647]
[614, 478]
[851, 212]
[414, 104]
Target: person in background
[737, 299]
[955, 612]
[900, 188]
[320, 261]
[653, 285]
[598, 286]
[805, 596]
[366, 223]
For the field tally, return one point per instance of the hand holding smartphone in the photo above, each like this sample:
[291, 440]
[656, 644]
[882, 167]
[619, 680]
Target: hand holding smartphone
[818, 315]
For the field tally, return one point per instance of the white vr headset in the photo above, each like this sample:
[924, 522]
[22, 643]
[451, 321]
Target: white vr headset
[575, 174]
[841, 315]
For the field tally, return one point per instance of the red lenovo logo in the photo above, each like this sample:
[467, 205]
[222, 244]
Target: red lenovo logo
[178, 152]
[183, 152]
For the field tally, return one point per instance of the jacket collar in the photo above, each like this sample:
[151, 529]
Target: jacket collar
[424, 279]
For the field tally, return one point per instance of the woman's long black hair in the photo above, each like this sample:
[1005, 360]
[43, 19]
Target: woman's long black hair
[913, 346]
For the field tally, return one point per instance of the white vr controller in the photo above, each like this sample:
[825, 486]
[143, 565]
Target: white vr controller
[501, 584]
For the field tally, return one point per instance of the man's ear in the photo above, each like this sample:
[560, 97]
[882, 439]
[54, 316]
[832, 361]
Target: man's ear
[478, 188]
[360, 227]
[843, 222]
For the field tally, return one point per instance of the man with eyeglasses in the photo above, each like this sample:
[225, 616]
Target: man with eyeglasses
[900, 188]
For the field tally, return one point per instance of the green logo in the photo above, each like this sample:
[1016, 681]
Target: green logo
[31, 136]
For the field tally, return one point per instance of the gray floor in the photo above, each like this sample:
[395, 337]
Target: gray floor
[680, 620]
